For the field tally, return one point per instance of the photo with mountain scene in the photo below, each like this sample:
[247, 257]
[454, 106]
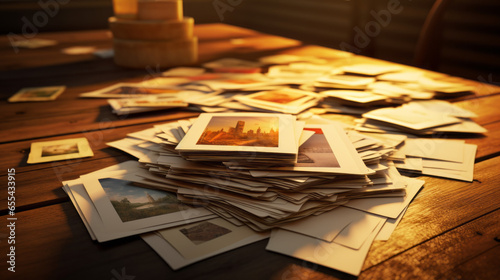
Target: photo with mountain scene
[134, 203]
[316, 151]
[241, 131]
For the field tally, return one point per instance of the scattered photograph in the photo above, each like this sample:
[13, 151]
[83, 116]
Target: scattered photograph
[241, 81]
[55, 150]
[328, 150]
[280, 97]
[316, 151]
[132, 202]
[37, 94]
[241, 131]
[194, 242]
[238, 133]
[204, 232]
[59, 150]
[127, 90]
[286, 100]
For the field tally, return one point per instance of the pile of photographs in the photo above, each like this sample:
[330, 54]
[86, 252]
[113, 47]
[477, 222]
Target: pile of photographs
[260, 162]
[283, 83]
[341, 192]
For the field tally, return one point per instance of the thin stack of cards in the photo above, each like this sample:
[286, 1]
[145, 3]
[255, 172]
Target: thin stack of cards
[421, 118]
[452, 159]
[251, 138]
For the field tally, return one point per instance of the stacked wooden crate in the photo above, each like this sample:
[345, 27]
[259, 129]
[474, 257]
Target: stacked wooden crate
[153, 33]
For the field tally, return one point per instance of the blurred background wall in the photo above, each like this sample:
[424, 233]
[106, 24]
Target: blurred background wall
[385, 29]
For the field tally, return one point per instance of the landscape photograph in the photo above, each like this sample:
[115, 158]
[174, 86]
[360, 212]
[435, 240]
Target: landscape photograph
[241, 131]
[63, 149]
[133, 203]
[39, 93]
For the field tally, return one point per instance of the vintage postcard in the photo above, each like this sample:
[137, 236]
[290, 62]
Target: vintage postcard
[59, 150]
[347, 80]
[238, 82]
[371, 69]
[128, 90]
[211, 231]
[233, 65]
[334, 224]
[124, 206]
[354, 96]
[413, 118]
[390, 207]
[328, 150]
[203, 238]
[37, 94]
[320, 252]
[289, 101]
[155, 101]
[241, 132]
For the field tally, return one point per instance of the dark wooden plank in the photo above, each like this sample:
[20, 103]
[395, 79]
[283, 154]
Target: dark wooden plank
[442, 205]
[483, 266]
[469, 251]
[81, 121]
[485, 107]
[489, 145]
[27, 58]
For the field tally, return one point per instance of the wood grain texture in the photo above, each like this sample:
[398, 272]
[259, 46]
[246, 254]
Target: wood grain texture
[441, 206]
[465, 252]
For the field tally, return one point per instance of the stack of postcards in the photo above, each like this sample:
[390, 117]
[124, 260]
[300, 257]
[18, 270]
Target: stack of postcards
[421, 118]
[252, 138]
[341, 191]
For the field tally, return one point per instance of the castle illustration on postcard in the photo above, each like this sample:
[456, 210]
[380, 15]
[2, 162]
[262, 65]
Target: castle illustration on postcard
[241, 131]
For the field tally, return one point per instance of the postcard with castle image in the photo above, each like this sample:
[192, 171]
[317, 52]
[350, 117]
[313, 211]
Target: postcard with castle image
[246, 132]
[124, 204]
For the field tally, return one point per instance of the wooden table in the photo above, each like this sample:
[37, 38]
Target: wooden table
[450, 231]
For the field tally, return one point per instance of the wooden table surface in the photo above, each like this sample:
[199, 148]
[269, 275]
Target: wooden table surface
[450, 231]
